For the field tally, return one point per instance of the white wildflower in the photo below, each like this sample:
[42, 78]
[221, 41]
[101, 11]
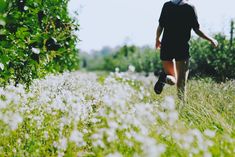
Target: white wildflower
[1, 66]
[162, 115]
[15, 120]
[209, 143]
[177, 136]
[98, 143]
[173, 116]
[94, 120]
[46, 135]
[14, 150]
[207, 154]
[117, 70]
[116, 154]
[210, 133]
[113, 124]
[36, 50]
[77, 137]
[131, 68]
[26, 7]
[188, 138]
[26, 136]
[195, 151]
[169, 103]
[62, 143]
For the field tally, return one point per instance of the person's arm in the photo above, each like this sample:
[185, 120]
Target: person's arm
[196, 27]
[161, 25]
[213, 42]
[158, 35]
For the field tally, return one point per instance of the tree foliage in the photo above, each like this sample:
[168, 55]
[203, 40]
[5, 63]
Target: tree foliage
[205, 60]
[218, 63]
[36, 37]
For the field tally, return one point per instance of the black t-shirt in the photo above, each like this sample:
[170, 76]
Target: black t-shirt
[177, 21]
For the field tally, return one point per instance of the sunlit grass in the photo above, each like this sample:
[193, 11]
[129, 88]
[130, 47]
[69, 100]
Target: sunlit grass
[210, 105]
[118, 114]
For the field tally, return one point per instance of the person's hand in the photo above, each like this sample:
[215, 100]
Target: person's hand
[158, 44]
[214, 42]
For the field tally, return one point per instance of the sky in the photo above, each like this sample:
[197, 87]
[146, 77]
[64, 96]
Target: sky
[117, 22]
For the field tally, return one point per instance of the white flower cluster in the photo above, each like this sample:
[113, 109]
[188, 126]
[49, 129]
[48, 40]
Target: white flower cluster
[112, 118]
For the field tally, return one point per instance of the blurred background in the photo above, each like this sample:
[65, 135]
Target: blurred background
[119, 33]
[40, 37]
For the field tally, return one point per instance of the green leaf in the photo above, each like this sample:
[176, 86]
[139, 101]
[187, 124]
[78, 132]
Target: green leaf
[3, 6]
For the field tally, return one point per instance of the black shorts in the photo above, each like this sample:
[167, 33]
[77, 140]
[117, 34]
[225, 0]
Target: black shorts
[177, 53]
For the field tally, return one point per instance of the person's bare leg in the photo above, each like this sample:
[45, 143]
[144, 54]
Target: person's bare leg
[182, 70]
[168, 67]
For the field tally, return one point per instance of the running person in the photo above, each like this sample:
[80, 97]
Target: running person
[176, 21]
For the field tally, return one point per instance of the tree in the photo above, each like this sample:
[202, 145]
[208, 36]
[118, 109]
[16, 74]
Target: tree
[36, 37]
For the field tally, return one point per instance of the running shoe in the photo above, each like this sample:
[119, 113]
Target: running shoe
[158, 87]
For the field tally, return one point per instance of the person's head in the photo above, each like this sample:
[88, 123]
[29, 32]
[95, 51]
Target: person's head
[179, 2]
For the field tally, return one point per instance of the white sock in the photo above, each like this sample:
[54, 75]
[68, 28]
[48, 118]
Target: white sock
[170, 80]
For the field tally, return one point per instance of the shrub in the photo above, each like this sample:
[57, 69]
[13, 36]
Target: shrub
[37, 37]
[218, 63]
[205, 60]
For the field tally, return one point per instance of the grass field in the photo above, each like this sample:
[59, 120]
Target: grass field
[87, 114]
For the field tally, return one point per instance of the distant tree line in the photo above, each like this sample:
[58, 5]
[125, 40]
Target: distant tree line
[205, 60]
